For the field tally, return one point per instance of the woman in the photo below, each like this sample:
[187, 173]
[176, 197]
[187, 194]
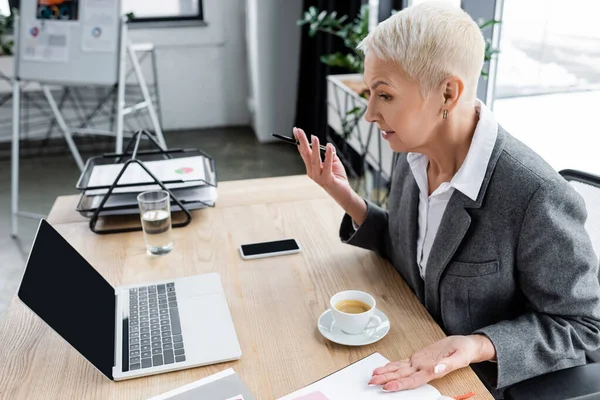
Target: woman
[489, 237]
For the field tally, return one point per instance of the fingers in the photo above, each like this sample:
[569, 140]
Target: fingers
[316, 158]
[319, 171]
[432, 362]
[425, 360]
[302, 138]
[449, 360]
[400, 373]
[392, 371]
[446, 365]
[327, 165]
[406, 376]
[428, 358]
[410, 382]
[304, 149]
[391, 367]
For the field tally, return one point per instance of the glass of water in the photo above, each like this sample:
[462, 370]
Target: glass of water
[155, 212]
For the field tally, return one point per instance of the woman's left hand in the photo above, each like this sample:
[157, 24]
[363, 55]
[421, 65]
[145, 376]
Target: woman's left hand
[433, 362]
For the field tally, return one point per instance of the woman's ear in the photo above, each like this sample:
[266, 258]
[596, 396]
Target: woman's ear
[453, 90]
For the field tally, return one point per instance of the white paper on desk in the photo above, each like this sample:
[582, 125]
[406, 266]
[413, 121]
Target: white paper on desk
[191, 170]
[352, 383]
[206, 194]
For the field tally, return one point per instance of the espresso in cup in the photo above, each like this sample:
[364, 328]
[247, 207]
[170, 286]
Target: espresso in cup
[352, 306]
[352, 310]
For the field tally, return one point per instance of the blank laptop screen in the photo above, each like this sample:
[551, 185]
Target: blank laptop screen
[64, 290]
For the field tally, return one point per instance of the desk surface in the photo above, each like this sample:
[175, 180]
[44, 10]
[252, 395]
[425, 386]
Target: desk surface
[274, 302]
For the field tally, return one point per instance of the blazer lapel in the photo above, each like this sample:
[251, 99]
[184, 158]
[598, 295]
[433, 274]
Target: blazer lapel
[453, 228]
[408, 232]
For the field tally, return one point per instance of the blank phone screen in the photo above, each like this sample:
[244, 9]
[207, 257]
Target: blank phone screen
[269, 247]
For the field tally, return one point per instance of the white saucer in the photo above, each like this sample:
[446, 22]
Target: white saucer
[375, 330]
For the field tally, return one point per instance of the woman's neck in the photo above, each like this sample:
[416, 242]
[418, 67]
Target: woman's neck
[451, 144]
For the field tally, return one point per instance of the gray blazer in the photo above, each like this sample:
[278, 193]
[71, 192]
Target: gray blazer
[516, 265]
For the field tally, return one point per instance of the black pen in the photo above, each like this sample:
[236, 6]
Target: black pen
[296, 142]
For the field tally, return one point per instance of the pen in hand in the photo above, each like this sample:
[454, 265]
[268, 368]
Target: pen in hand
[294, 141]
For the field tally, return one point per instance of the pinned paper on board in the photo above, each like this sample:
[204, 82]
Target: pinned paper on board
[58, 10]
[46, 42]
[98, 30]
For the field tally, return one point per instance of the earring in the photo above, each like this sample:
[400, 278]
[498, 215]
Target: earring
[445, 114]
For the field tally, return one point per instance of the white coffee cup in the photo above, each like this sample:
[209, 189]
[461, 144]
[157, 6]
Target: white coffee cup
[352, 324]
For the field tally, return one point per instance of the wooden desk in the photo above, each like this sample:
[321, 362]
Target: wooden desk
[274, 302]
[231, 194]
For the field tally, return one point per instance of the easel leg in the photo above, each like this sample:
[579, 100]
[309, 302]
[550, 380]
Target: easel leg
[14, 205]
[151, 110]
[156, 90]
[121, 87]
[64, 127]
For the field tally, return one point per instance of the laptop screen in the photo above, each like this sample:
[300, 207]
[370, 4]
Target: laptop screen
[64, 290]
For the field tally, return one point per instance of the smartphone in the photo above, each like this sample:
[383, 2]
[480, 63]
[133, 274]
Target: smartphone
[269, 249]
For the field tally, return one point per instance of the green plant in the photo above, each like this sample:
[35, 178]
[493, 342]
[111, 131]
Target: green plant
[351, 32]
[6, 26]
[489, 51]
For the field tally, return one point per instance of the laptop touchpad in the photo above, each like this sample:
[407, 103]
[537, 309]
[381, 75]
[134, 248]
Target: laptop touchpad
[207, 328]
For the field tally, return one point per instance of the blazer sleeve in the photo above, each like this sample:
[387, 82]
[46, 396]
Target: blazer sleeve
[557, 271]
[372, 234]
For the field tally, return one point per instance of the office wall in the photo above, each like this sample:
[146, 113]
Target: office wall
[202, 75]
[202, 71]
[273, 42]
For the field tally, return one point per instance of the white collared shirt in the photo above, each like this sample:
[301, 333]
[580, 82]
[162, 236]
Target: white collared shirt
[468, 180]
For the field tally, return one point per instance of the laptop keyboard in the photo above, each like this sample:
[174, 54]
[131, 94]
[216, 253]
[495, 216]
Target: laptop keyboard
[154, 327]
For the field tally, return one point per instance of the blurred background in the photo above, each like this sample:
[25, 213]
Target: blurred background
[224, 75]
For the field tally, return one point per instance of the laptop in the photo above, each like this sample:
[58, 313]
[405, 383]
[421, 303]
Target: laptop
[127, 331]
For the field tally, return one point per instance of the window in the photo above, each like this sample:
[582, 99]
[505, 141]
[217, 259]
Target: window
[547, 46]
[548, 79]
[163, 10]
[4, 7]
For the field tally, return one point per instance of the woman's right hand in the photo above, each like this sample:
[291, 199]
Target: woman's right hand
[330, 175]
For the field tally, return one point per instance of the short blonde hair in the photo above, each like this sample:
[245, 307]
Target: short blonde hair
[430, 42]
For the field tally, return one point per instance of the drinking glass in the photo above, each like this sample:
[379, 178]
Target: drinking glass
[155, 212]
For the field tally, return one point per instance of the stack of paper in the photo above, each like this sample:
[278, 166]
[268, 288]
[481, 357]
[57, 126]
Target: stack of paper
[187, 178]
[189, 170]
[352, 383]
[225, 385]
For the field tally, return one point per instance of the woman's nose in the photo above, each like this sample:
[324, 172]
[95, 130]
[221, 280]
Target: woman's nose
[370, 114]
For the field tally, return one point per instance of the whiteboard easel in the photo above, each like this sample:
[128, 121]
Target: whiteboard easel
[80, 67]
